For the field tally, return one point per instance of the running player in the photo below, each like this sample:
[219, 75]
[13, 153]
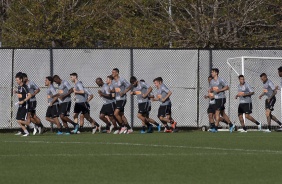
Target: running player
[108, 107]
[120, 86]
[80, 103]
[142, 90]
[52, 113]
[245, 91]
[280, 75]
[23, 96]
[218, 86]
[64, 97]
[34, 90]
[269, 90]
[164, 112]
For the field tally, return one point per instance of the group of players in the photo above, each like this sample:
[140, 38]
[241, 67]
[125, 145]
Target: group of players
[114, 94]
[216, 95]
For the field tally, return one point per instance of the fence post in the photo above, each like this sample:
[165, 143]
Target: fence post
[131, 96]
[198, 89]
[51, 74]
[12, 87]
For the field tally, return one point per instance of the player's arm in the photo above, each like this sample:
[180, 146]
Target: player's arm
[80, 90]
[261, 95]
[167, 96]
[128, 87]
[36, 91]
[148, 91]
[274, 90]
[69, 92]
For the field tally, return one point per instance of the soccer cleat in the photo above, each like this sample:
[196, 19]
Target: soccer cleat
[213, 130]
[59, 133]
[165, 129]
[173, 125]
[19, 133]
[259, 127]
[129, 131]
[231, 129]
[75, 128]
[94, 130]
[116, 132]
[111, 128]
[122, 130]
[34, 131]
[67, 133]
[159, 128]
[168, 131]
[243, 131]
[25, 135]
[150, 129]
[267, 131]
[40, 131]
[143, 132]
[99, 129]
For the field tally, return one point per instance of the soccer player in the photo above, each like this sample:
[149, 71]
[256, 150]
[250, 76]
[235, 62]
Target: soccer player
[80, 103]
[164, 112]
[23, 97]
[142, 90]
[64, 97]
[33, 89]
[52, 113]
[108, 107]
[218, 86]
[120, 86]
[269, 90]
[245, 91]
[280, 75]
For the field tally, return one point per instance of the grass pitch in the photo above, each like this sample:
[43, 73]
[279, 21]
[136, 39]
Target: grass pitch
[185, 157]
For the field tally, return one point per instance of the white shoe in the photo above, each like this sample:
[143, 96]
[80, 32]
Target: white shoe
[34, 131]
[243, 131]
[259, 127]
[267, 131]
[40, 130]
[129, 131]
[165, 129]
[19, 133]
[111, 128]
[116, 132]
[72, 131]
[78, 132]
[100, 129]
[25, 135]
[94, 130]
[122, 130]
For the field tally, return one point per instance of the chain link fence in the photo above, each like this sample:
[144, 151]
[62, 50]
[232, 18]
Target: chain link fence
[185, 72]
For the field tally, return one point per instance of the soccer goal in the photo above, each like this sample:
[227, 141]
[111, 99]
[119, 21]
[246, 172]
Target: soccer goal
[251, 68]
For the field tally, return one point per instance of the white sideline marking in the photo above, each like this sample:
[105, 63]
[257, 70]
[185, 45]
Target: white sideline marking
[151, 145]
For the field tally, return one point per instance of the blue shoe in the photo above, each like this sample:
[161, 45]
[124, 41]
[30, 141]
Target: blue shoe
[231, 129]
[150, 129]
[213, 130]
[75, 129]
[159, 128]
[143, 132]
[59, 133]
[67, 133]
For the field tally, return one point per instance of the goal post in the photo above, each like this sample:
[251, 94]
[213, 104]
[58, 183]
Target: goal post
[251, 67]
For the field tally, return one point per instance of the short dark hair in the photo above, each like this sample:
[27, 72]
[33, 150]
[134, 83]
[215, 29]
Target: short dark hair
[240, 76]
[116, 69]
[133, 79]
[49, 78]
[142, 80]
[210, 77]
[263, 74]
[216, 70]
[24, 75]
[56, 77]
[159, 79]
[19, 75]
[280, 69]
[99, 78]
[110, 77]
[73, 74]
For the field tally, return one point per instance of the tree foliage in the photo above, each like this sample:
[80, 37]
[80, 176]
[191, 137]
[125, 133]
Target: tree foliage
[141, 23]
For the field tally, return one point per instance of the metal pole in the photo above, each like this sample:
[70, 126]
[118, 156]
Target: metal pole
[131, 96]
[198, 89]
[12, 87]
[170, 21]
[51, 74]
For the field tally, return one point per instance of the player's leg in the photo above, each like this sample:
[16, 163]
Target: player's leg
[163, 119]
[22, 119]
[81, 122]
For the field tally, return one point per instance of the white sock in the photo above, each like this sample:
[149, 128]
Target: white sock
[26, 132]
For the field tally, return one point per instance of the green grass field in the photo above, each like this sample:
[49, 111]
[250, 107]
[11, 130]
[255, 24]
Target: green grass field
[185, 157]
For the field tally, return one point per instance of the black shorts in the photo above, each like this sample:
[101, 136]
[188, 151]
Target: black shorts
[64, 108]
[143, 107]
[120, 104]
[81, 108]
[211, 109]
[53, 111]
[22, 113]
[149, 109]
[32, 107]
[164, 110]
[245, 108]
[219, 104]
[270, 105]
[108, 109]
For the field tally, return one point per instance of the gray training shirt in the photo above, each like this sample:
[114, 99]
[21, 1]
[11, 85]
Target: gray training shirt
[79, 98]
[246, 88]
[64, 88]
[105, 89]
[219, 83]
[50, 92]
[87, 93]
[162, 93]
[141, 89]
[32, 88]
[120, 85]
[268, 88]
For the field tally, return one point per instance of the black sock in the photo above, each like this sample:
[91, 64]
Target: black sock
[257, 123]
[279, 123]
[212, 125]
[269, 127]
[155, 123]
[67, 130]
[143, 128]
[107, 127]
[60, 129]
[230, 124]
[245, 128]
[167, 127]
[127, 126]
[215, 127]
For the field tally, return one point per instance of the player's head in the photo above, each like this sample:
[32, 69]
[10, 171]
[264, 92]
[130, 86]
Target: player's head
[241, 79]
[109, 79]
[73, 77]
[19, 78]
[25, 78]
[209, 78]
[48, 81]
[115, 72]
[133, 81]
[280, 71]
[158, 81]
[99, 81]
[263, 77]
[57, 79]
[214, 72]
[142, 80]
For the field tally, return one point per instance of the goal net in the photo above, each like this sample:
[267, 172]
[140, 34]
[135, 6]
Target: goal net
[251, 68]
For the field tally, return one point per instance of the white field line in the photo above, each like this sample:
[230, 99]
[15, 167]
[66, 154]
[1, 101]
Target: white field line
[152, 145]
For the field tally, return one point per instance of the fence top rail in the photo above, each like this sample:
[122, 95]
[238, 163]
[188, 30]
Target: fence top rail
[253, 57]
